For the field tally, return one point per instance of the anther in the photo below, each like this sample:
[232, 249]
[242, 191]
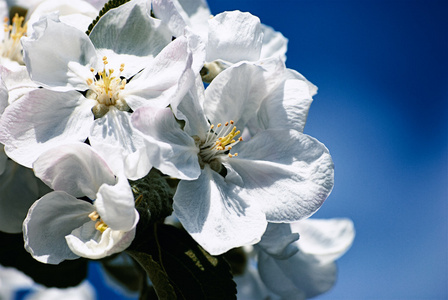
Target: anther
[100, 226]
[94, 216]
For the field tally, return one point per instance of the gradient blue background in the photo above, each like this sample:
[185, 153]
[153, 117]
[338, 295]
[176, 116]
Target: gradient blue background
[382, 106]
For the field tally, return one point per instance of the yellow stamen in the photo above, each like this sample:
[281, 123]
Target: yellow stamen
[94, 216]
[10, 45]
[100, 226]
[106, 90]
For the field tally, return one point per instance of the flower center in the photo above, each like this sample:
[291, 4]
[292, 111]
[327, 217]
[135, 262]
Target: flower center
[10, 46]
[218, 143]
[105, 88]
[99, 225]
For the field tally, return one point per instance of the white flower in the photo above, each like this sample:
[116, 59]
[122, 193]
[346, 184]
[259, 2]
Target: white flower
[311, 271]
[59, 226]
[230, 188]
[230, 37]
[94, 84]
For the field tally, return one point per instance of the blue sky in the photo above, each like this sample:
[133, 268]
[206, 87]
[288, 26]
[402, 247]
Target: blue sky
[382, 107]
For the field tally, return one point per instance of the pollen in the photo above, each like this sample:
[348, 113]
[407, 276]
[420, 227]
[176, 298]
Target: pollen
[99, 225]
[94, 216]
[105, 88]
[10, 46]
[218, 143]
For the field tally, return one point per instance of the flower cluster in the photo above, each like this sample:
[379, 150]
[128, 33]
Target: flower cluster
[207, 102]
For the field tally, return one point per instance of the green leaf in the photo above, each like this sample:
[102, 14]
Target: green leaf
[66, 274]
[108, 6]
[179, 268]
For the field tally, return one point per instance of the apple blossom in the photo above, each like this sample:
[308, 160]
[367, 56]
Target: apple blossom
[59, 226]
[230, 188]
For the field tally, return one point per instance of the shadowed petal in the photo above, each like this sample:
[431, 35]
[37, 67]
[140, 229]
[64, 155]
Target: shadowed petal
[215, 216]
[49, 220]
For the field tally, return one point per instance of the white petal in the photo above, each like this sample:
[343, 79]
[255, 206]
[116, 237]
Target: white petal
[285, 107]
[289, 173]
[298, 277]
[237, 92]
[234, 37]
[79, 8]
[278, 241]
[129, 30]
[190, 110]
[75, 169]
[293, 74]
[79, 21]
[137, 164]
[88, 242]
[215, 216]
[325, 239]
[49, 220]
[18, 82]
[166, 80]
[59, 56]
[115, 205]
[171, 14]
[274, 43]
[43, 119]
[169, 148]
[198, 15]
[249, 285]
[19, 188]
[3, 95]
[115, 138]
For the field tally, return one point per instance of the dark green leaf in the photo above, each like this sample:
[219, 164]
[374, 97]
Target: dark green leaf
[66, 274]
[176, 263]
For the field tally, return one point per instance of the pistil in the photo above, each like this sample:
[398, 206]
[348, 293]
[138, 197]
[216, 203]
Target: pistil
[218, 142]
[106, 90]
